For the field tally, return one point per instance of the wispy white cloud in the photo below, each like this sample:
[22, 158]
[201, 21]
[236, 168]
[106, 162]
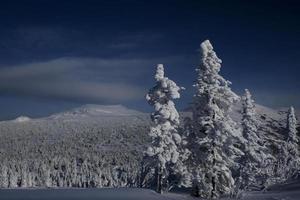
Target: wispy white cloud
[89, 79]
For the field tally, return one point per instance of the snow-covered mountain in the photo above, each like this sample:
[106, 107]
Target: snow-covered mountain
[266, 115]
[92, 110]
[118, 121]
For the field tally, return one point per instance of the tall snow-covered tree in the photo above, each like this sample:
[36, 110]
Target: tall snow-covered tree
[184, 175]
[291, 126]
[287, 164]
[254, 162]
[249, 120]
[165, 118]
[4, 176]
[214, 131]
[13, 176]
[24, 174]
[292, 144]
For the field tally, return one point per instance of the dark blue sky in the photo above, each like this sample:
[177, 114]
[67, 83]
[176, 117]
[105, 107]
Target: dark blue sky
[55, 55]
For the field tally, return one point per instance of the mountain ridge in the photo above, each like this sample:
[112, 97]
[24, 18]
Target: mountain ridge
[118, 110]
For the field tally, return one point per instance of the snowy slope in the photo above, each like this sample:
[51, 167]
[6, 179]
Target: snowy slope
[114, 124]
[272, 122]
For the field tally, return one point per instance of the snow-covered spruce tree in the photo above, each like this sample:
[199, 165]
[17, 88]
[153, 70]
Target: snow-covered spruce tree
[214, 131]
[4, 181]
[183, 176]
[280, 168]
[182, 169]
[292, 144]
[24, 175]
[254, 162]
[291, 126]
[287, 165]
[165, 118]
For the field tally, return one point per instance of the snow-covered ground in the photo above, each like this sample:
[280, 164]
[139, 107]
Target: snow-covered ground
[80, 194]
[289, 191]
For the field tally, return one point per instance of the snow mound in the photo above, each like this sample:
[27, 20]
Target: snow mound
[22, 119]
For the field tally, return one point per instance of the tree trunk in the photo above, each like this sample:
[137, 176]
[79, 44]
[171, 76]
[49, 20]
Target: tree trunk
[159, 179]
[196, 190]
[213, 191]
[213, 178]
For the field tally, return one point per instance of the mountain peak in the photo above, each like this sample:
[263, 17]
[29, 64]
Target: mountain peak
[95, 110]
[22, 119]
